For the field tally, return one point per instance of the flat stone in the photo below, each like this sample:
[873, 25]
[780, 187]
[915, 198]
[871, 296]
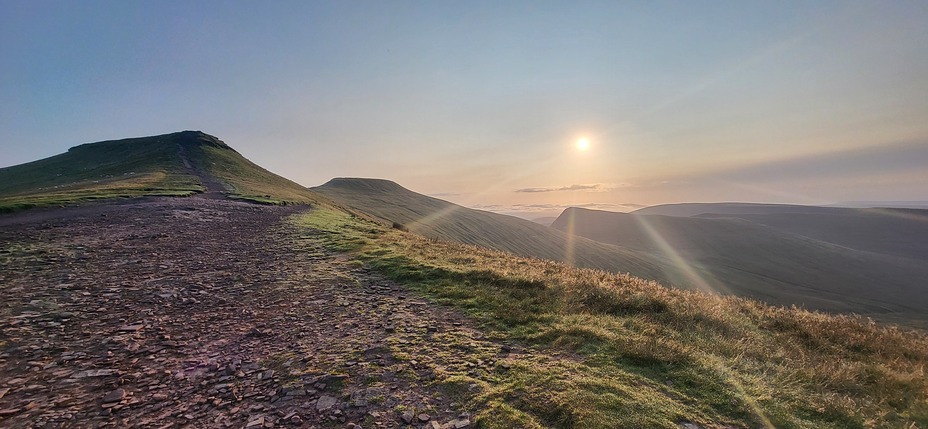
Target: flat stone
[460, 423]
[96, 373]
[424, 417]
[114, 396]
[131, 328]
[325, 403]
[255, 423]
[331, 378]
[296, 392]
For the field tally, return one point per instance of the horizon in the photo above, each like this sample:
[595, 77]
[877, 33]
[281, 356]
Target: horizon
[517, 107]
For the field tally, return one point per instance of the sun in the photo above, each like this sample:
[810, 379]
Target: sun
[583, 144]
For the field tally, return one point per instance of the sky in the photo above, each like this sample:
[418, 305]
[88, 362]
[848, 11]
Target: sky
[483, 103]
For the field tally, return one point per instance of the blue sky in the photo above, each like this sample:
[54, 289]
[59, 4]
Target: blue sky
[803, 102]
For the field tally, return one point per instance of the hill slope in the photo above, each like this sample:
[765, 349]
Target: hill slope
[748, 259]
[176, 164]
[899, 232]
[892, 231]
[442, 220]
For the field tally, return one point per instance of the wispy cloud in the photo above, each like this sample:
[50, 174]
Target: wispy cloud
[858, 162]
[594, 187]
[610, 206]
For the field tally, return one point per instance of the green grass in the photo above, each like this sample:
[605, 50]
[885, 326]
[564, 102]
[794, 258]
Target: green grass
[618, 351]
[124, 168]
[248, 181]
[145, 166]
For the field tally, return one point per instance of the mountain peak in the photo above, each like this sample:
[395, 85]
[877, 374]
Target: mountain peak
[363, 184]
[182, 163]
[198, 137]
[186, 138]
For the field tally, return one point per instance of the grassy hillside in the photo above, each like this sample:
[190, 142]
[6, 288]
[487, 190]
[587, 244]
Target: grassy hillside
[177, 164]
[244, 179]
[592, 349]
[747, 259]
[119, 168]
[441, 220]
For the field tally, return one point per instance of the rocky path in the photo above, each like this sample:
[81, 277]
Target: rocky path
[171, 313]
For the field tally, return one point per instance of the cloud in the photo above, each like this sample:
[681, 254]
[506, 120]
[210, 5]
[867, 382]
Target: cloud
[851, 163]
[603, 205]
[593, 187]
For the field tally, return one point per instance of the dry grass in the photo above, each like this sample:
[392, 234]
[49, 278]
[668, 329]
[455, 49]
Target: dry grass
[649, 356]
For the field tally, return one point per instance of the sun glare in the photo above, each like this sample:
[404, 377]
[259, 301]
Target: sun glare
[583, 144]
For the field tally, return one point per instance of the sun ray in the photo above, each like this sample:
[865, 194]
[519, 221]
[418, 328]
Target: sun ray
[728, 375]
[691, 274]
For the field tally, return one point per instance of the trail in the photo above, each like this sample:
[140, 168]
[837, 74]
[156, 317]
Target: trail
[208, 313]
[215, 190]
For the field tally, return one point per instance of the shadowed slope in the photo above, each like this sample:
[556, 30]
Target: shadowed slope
[439, 219]
[900, 232]
[753, 260]
[892, 231]
[695, 209]
[177, 164]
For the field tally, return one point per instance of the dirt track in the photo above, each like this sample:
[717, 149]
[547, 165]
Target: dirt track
[210, 313]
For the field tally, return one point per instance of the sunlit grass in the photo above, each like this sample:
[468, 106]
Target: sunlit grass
[156, 183]
[645, 355]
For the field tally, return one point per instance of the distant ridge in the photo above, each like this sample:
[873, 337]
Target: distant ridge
[695, 209]
[176, 164]
[439, 219]
[365, 185]
[883, 204]
[892, 231]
